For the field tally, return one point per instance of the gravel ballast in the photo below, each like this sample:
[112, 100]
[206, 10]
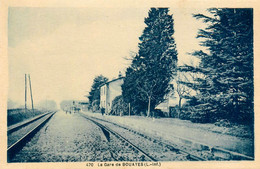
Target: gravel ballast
[72, 138]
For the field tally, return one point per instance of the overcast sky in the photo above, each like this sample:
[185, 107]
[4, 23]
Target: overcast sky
[63, 49]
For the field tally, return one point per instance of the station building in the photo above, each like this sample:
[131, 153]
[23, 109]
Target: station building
[108, 92]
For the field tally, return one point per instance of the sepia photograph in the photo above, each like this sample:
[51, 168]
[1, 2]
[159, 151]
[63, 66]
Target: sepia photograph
[130, 86]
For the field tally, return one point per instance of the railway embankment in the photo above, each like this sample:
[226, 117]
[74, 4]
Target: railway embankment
[15, 116]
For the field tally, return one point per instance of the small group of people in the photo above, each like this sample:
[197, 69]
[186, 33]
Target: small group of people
[68, 111]
[73, 110]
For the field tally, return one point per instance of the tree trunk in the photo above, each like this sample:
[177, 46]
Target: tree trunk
[149, 104]
[180, 103]
[179, 107]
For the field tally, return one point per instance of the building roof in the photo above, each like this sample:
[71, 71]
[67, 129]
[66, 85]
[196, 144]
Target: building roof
[111, 81]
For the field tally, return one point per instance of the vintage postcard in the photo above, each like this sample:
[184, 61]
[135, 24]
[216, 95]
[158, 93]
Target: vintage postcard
[129, 84]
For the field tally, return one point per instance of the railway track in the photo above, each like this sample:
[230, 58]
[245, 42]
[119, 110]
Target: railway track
[152, 149]
[14, 128]
[107, 130]
[21, 134]
[205, 154]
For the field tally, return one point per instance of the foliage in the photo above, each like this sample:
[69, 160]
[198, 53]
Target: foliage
[159, 113]
[225, 91]
[119, 107]
[94, 94]
[147, 79]
[18, 115]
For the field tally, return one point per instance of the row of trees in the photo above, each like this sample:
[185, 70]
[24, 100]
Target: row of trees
[224, 77]
[222, 83]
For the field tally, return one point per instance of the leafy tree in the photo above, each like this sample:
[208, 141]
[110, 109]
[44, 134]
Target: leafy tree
[226, 89]
[119, 107]
[94, 94]
[182, 90]
[147, 79]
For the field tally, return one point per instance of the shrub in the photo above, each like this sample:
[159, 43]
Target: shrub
[174, 111]
[223, 123]
[158, 113]
[199, 117]
[119, 107]
[141, 113]
[95, 106]
[185, 114]
[18, 115]
[202, 116]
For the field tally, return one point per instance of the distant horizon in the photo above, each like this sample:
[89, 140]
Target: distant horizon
[14, 105]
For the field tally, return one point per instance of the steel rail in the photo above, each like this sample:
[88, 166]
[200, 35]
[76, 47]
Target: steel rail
[233, 155]
[15, 127]
[120, 137]
[189, 155]
[18, 145]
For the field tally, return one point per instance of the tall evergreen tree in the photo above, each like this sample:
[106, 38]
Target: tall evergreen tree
[227, 90]
[94, 94]
[147, 79]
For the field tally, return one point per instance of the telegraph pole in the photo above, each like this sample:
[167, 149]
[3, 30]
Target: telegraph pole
[25, 104]
[31, 91]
